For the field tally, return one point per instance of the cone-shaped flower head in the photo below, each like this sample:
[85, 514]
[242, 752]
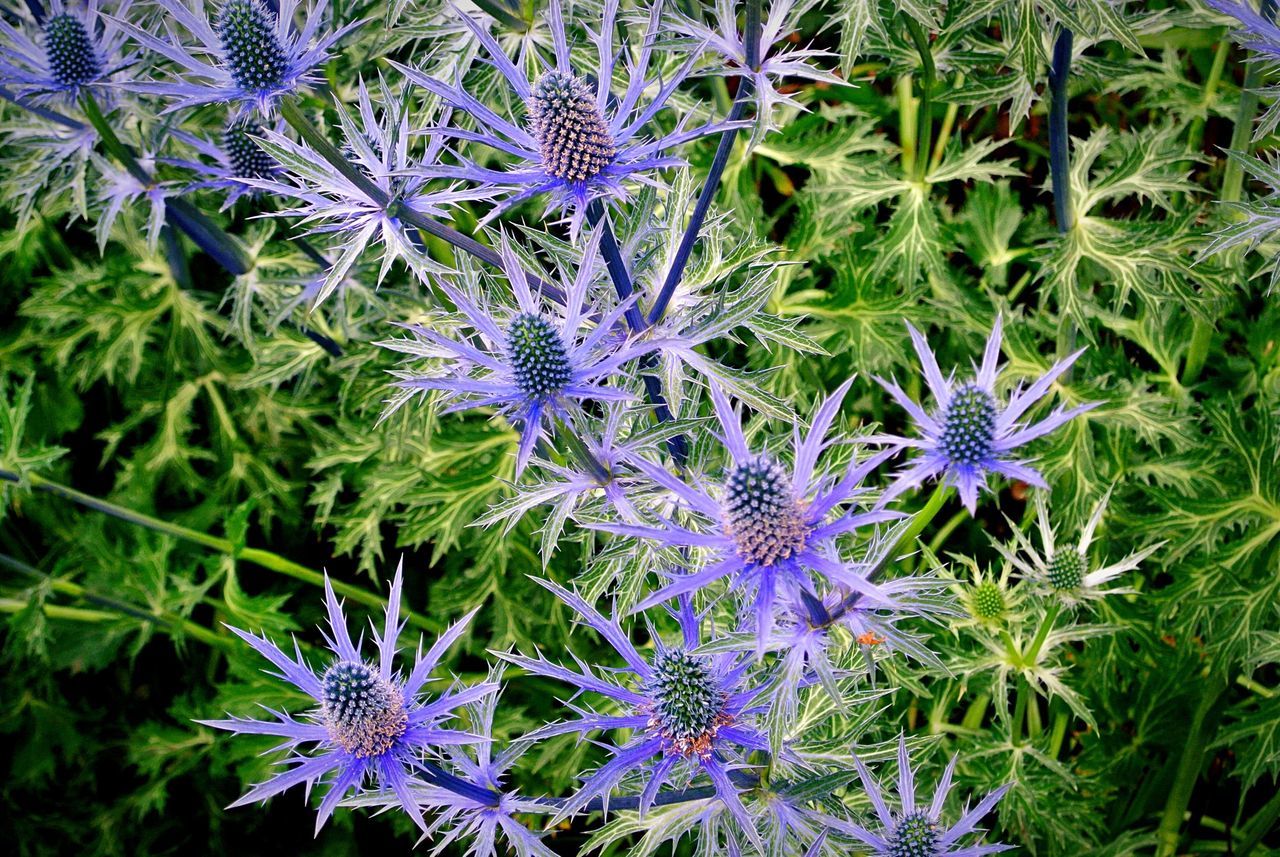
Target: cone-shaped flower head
[75, 46]
[916, 829]
[688, 711]
[537, 362]
[370, 723]
[241, 52]
[771, 527]
[971, 432]
[1062, 569]
[578, 142]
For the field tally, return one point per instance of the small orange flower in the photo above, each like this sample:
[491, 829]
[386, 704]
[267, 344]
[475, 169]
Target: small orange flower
[869, 639]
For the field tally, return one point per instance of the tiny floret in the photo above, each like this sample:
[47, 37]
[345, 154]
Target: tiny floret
[254, 56]
[245, 157]
[765, 520]
[1066, 568]
[572, 134]
[688, 705]
[539, 359]
[363, 712]
[914, 835]
[969, 425]
[986, 601]
[73, 60]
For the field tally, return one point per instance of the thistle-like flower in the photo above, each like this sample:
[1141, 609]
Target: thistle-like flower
[370, 721]
[230, 163]
[776, 59]
[970, 434]
[244, 53]
[578, 141]
[771, 528]
[917, 830]
[1064, 570]
[73, 48]
[532, 363]
[688, 712]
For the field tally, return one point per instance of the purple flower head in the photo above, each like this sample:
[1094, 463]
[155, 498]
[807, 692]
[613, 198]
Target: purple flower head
[370, 723]
[74, 48]
[535, 362]
[773, 64]
[242, 52]
[970, 434]
[688, 712]
[230, 163]
[578, 142]
[376, 142]
[771, 528]
[917, 830]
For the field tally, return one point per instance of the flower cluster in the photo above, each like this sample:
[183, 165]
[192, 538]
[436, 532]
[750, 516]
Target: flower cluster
[789, 569]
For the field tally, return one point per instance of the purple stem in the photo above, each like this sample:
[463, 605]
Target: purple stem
[746, 87]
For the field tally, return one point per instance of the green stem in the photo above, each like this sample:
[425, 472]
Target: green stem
[1232, 190]
[1195, 133]
[262, 558]
[906, 127]
[1260, 825]
[171, 622]
[1023, 692]
[1058, 734]
[921, 519]
[976, 711]
[1184, 782]
[1042, 633]
[948, 125]
[117, 149]
[924, 117]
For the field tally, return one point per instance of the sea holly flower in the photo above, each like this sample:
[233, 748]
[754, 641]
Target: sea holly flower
[243, 52]
[1063, 569]
[74, 48]
[578, 141]
[370, 722]
[535, 362]
[970, 433]
[988, 599]
[688, 712]
[376, 142]
[770, 528]
[776, 60]
[917, 829]
[231, 162]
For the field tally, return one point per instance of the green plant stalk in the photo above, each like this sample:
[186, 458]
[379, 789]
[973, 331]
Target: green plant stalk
[1262, 822]
[922, 519]
[906, 125]
[1058, 734]
[1232, 190]
[1195, 132]
[948, 125]
[171, 622]
[976, 711]
[924, 112]
[1188, 770]
[262, 558]
[1025, 659]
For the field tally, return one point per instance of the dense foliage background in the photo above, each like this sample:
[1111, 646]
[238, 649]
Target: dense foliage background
[206, 405]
